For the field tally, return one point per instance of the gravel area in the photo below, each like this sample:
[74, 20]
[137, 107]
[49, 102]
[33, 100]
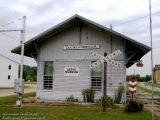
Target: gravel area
[27, 89]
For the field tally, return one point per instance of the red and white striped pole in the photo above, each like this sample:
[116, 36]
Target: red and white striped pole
[132, 85]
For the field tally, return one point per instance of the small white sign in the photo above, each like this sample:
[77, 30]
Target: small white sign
[80, 47]
[19, 86]
[71, 71]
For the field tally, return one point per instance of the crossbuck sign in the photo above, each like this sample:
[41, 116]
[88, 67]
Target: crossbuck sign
[107, 59]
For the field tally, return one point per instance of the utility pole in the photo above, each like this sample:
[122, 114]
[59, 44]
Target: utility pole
[22, 58]
[104, 85]
[151, 58]
[19, 90]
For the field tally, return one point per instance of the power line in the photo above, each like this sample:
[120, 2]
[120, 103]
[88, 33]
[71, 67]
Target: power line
[3, 25]
[10, 37]
[14, 30]
[143, 17]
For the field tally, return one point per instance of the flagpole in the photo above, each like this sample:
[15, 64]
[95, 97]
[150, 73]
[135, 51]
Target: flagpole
[151, 58]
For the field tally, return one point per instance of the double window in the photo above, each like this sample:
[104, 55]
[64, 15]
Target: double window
[96, 77]
[48, 76]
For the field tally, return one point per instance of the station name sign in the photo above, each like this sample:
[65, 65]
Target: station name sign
[80, 47]
[71, 71]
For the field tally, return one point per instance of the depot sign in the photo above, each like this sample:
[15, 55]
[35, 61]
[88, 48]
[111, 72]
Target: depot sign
[71, 71]
[80, 47]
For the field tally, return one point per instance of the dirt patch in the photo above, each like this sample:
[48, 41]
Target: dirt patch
[27, 89]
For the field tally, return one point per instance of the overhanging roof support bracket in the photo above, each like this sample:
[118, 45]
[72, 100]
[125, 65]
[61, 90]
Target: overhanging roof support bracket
[36, 47]
[130, 57]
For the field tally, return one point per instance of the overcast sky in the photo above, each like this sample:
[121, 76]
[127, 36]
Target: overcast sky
[129, 17]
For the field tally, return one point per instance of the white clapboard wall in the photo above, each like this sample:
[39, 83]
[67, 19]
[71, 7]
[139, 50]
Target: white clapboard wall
[52, 50]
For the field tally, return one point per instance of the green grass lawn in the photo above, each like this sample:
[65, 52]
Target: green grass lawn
[139, 88]
[155, 84]
[12, 98]
[46, 112]
[6, 87]
[148, 91]
[75, 113]
[70, 112]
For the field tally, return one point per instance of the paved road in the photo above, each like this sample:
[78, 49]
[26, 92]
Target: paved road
[142, 84]
[6, 92]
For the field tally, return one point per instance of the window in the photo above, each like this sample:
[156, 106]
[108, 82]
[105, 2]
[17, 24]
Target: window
[9, 77]
[9, 67]
[96, 78]
[48, 76]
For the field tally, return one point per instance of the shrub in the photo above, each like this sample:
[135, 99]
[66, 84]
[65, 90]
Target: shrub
[84, 94]
[91, 94]
[88, 94]
[118, 94]
[70, 99]
[109, 102]
[29, 77]
[134, 106]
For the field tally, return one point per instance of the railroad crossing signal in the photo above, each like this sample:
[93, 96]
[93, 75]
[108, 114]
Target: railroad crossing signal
[107, 59]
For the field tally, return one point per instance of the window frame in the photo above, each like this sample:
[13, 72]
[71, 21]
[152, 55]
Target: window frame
[97, 81]
[48, 79]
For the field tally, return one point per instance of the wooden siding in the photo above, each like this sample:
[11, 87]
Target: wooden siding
[52, 50]
[64, 86]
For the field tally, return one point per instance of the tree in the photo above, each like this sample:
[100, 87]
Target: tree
[138, 77]
[29, 77]
[128, 77]
[148, 78]
[29, 73]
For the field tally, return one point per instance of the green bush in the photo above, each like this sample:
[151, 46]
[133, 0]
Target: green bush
[84, 94]
[134, 106]
[109, 102]
[29, 77]
[118, 94]
[70, 99]
[88, 94]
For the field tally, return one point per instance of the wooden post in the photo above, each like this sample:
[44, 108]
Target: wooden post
[104, 85]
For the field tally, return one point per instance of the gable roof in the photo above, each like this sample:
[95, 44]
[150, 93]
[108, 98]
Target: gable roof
[30, 47]
[9, 58]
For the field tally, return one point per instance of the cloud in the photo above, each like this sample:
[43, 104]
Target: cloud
[43, 14]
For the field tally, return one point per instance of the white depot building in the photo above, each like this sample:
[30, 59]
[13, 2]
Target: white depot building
[64, 58]
[8, 71]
